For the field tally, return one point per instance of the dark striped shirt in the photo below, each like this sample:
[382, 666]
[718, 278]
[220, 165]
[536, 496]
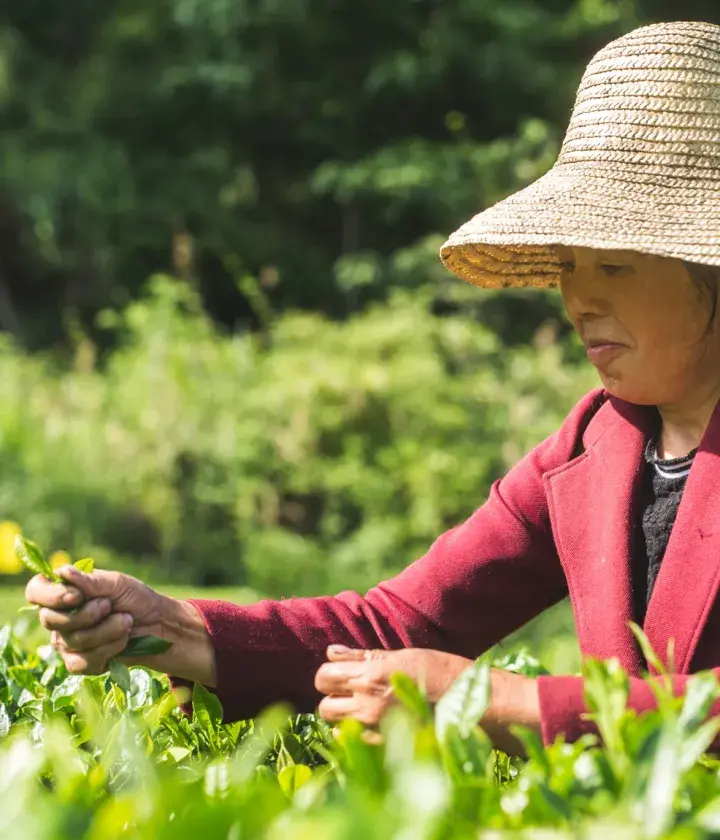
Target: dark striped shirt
[662, 488]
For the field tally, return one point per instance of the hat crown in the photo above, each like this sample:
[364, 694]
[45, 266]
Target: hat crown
[650, 99]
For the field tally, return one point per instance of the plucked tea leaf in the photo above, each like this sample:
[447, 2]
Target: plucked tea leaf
[146, 646]
[30, 555]
[86, 565]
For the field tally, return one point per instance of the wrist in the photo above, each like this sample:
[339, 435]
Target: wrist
[514, 701]
[192, 656]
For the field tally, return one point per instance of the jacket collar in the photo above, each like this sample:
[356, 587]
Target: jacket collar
[593, 509]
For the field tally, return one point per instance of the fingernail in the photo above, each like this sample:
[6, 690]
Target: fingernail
[70, 597]
[128, 619]
[339, 649]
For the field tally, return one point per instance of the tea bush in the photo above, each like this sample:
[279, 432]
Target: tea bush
[313, 456]
[84, 758]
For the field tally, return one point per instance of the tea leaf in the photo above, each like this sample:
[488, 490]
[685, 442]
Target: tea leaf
[31, 556]
[408, 693]
[146, 646]
[120, 673]
[4, 721]
[464, 704]
[293, 777]
[207, 710]
[86, 565]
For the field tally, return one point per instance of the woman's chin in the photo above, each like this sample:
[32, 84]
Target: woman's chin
[630, 392]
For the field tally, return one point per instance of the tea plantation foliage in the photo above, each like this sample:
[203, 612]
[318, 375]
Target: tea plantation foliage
[310, 457]
[84, 757]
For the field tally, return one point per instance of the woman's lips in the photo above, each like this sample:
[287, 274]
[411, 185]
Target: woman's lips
[601, 354]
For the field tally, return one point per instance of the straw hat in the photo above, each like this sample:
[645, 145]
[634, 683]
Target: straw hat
[639, 168]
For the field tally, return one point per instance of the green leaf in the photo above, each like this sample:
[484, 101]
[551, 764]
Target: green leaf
[146, 646]
[465, 757]
[69, 687]
[464, 704]
[293, 777]
[31, 556]
[178, 753]
[648, 652]
[120, 673]
[701, 692]
[86, 565]
[408, 693]
[663, 783]
[207, 709]
[140, 689]
[697, 743]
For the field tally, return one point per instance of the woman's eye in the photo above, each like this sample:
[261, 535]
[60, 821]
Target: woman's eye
[611, 269]
[567, 266]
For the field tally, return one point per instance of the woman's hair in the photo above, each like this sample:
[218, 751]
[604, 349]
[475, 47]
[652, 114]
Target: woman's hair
[707, 279]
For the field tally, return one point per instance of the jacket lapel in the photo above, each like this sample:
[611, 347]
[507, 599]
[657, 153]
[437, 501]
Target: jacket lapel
[687, 583]
[591, 502]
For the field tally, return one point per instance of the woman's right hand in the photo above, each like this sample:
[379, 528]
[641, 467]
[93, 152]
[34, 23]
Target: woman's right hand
[112, 608]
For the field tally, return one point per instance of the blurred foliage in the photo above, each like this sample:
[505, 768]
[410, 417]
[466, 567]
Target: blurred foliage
[313, 456]
[86, 757]
[326, 148]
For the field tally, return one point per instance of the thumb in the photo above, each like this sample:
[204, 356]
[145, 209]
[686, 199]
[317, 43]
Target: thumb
[97, 584]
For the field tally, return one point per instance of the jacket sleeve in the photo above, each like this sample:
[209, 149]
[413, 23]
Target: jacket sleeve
[563, 708]
[477, 583]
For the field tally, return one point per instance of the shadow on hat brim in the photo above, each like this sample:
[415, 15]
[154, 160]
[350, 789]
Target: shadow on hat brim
[514, 243]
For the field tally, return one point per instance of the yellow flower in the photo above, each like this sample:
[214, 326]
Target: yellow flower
[9, 564]
[60, 558]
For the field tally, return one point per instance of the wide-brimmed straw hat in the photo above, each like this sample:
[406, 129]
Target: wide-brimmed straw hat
[639, 168]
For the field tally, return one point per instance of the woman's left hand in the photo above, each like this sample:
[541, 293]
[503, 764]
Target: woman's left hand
[357, 685]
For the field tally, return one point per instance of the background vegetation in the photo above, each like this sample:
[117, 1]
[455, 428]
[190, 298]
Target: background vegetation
[300, 398]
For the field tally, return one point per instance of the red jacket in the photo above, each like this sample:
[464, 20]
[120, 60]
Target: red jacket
[559, 522]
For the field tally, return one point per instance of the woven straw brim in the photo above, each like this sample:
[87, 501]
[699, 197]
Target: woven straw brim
[514, 242]
[639, 169]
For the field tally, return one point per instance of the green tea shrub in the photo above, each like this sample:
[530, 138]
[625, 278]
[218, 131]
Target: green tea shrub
[89, 759]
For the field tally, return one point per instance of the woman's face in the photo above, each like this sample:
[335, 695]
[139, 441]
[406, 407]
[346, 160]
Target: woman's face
[645, 322]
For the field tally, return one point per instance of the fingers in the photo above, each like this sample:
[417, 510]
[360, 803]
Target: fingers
[335, 677]
[55, 596]
[90, 614]
[115, 630]
[367, 710]
[95, 661]
[97, 584]
[346, 678]
[341, 653]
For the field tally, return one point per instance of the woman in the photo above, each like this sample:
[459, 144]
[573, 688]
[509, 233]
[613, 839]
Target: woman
[628, 222]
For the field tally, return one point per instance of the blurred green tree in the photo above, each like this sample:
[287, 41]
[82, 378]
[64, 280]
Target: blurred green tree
[324, 148]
